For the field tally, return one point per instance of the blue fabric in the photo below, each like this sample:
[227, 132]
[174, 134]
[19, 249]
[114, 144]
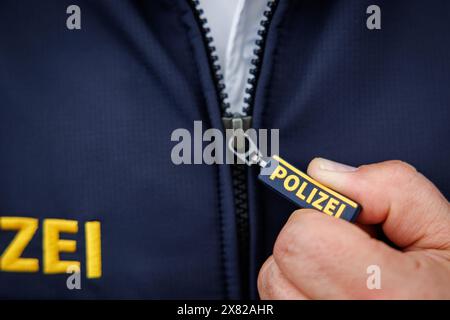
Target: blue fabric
[86, 118]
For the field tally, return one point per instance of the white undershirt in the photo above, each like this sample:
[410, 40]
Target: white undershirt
[234, 27]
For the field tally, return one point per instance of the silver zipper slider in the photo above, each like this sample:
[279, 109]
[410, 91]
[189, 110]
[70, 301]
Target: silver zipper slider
[241, 144]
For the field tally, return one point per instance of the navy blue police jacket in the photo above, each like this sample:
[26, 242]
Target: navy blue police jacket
[86, 118]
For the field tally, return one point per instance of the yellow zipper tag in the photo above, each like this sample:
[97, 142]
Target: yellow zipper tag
[306, 192]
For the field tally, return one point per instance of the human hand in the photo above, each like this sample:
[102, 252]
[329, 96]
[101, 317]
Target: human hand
[320, 257]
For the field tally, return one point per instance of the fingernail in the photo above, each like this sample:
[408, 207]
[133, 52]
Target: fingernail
[328, 165]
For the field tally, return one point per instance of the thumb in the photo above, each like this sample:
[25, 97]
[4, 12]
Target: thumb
[412, 211]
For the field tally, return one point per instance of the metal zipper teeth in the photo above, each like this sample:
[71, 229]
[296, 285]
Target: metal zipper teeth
[213, 58]
[258, 52]
[256, 62]
[239, 172]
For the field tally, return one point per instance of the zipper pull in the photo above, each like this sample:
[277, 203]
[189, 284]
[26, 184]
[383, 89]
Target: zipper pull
[292, 183]
[239, 142]
[304, 191]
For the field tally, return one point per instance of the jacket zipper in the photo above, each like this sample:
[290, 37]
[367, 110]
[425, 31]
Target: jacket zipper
[236, 121]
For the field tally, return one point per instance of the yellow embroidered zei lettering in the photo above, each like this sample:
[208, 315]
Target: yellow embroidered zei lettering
[93, 249]
[11, 259]
[53, 245]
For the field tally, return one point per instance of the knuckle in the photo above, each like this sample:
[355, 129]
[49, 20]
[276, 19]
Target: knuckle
[400, 172]
[297, 232]
[264, 282]
[401, 168]
[299, 215]
[283, 245]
